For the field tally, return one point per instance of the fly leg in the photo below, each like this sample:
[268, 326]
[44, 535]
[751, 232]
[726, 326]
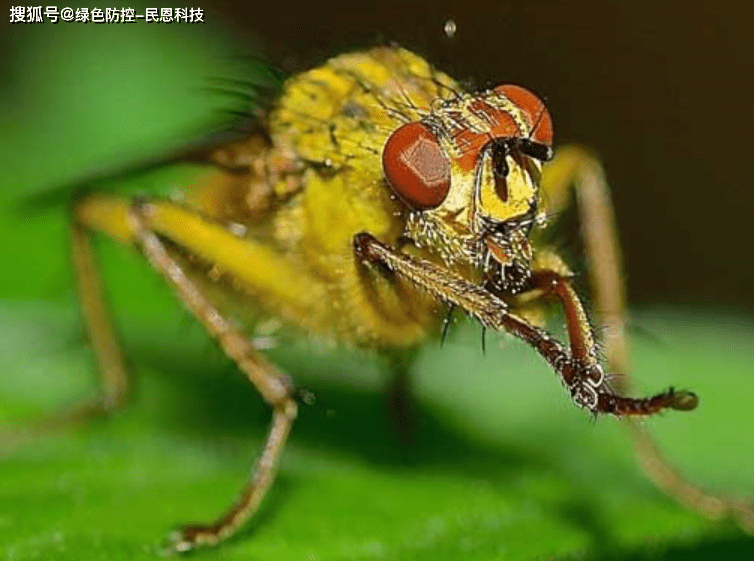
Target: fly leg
[114, 377]
[165, 233]
[274, 386]
[101, 333]
[227, 150]
[574, 168]
[400, 400]
[579, 371]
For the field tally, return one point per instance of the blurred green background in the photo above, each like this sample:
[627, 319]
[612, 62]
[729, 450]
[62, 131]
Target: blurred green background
[502, 465]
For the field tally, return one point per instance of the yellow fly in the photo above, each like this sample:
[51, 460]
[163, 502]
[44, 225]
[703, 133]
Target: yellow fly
[377, 195]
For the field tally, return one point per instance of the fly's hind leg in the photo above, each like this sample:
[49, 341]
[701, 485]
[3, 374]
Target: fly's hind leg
[576, 171]
[114, 378]
[99, 327]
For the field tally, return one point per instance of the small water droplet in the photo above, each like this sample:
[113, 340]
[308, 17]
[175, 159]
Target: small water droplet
[450, 28]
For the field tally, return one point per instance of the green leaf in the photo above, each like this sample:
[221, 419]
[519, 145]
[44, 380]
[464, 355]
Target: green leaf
[500, 464]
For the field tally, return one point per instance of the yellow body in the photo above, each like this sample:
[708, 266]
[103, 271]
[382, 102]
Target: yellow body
[280, 239]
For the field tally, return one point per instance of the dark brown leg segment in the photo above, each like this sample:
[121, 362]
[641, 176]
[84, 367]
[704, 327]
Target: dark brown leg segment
[579, 330]
[275, 387]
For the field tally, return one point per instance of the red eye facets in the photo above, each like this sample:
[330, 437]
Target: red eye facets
[415, 166]
[534, 109]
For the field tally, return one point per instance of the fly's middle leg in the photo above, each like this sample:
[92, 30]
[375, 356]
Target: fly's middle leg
[275, 388]
[402, 406]
[162, 230]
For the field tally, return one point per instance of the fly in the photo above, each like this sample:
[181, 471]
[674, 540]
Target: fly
[376, 194]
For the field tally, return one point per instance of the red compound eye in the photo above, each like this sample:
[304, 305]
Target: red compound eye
[534, 109]
[416, 167]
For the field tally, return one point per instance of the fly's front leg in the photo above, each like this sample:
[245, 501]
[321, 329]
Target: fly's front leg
[578, 368]
[275, 387]
[583, 350]
[576, 169]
